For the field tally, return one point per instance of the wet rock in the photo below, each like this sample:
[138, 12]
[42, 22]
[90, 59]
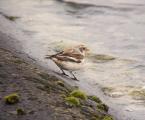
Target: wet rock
[3, 75]
[20, 111]
[44, 96]
[94, 98]
[44, 75]
[91, 113]
[61, 83]
[90, 103]
[46, 88]
[103, 107]
[18, 61]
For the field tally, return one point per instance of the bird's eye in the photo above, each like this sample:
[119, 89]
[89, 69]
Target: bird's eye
[84, 48]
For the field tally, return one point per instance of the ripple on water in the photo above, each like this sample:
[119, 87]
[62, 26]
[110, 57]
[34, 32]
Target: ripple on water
[112, 91]
[138, 94]
[120, 91]
[100, 57]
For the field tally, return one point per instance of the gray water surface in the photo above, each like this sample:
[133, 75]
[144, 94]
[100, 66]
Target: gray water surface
[114, 29]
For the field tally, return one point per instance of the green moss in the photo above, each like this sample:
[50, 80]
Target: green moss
[107, 118]
[11, 18]
[18, 61]
[61, 83]
[63, 95]
[94, 98]
[20, 111]
[95, 118]
[12, 98]
[78, 94]
[103, 107]
[72, 101]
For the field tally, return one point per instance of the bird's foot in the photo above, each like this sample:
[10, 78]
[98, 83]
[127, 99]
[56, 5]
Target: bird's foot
[75, 79]
[65, 74]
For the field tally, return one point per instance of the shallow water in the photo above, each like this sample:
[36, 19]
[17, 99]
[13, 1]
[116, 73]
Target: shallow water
[112, 29]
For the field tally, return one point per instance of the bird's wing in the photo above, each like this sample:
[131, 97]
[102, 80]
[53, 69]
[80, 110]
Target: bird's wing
[68, 55]
[73, 53]
[68, 59]
[51, 56]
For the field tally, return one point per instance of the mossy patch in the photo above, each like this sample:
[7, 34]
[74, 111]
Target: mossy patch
[11, 18]
[78, 94]
[60, 83]
[12, 98]
[103, 107]
[108, 118]
[18, 61]
[95, 118]
[94, 98]
[72, 101]
[20, 111]
[46, 88]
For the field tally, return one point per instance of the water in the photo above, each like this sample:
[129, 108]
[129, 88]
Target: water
[112, 28]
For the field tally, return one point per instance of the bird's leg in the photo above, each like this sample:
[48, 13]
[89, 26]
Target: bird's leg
[62, 71]
[74, 77]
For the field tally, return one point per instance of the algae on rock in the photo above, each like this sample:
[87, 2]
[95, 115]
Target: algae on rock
[94, 98]
[72, 101]
[79, 94]
[12, 98]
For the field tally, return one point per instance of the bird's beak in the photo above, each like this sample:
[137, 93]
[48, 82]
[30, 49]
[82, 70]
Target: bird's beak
[87, 49]
[47, 56]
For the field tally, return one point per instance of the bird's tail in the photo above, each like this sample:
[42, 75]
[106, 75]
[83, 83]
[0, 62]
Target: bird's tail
[51, 56]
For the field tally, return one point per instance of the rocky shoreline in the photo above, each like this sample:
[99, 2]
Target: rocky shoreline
[42, 96]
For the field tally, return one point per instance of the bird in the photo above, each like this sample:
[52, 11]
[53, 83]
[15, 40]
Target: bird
[70, 59]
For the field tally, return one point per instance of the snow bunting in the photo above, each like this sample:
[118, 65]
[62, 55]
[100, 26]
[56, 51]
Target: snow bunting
[70, 59]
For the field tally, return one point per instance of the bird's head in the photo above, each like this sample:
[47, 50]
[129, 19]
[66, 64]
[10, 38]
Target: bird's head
[83, 49]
